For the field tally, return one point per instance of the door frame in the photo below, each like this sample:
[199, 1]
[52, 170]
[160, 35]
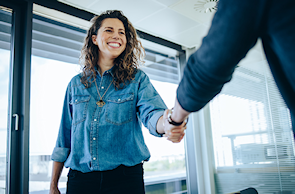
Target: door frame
[17, 169]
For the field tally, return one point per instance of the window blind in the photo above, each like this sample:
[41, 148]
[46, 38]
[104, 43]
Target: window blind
[62, 42]
[252, 134]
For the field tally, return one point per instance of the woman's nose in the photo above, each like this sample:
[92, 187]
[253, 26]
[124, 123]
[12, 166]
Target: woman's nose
[116, 35]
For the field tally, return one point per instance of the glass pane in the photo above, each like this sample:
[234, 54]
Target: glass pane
[46, 106]
[5, 33]
[54, 63]
[165, 172]
[252, 134]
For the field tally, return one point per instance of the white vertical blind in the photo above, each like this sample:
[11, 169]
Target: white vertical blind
[252, 135]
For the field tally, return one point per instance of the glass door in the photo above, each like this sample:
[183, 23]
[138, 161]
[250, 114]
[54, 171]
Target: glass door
[5, 34]
[55, 60]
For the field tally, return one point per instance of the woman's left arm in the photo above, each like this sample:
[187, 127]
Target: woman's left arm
[153, 111]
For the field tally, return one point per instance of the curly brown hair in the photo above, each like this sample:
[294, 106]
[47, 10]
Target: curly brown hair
[125, 65]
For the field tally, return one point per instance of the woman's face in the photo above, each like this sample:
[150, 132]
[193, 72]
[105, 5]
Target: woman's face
[110, 39]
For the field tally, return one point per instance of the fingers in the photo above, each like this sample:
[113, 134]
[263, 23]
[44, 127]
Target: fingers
[165, 115]
[180, 129]
[175, 137]
[176, 140]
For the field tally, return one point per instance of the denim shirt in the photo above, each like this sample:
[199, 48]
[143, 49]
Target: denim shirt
[93, 138]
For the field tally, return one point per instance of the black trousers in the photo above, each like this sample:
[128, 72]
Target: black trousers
[118, 181]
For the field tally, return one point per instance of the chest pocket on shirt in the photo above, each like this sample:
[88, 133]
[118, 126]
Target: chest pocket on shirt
[119, 109]
[79, 104]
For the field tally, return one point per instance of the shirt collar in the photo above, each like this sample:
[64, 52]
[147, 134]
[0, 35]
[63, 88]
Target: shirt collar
[110, 71]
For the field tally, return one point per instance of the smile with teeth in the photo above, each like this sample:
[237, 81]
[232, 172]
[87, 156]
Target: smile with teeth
[112, 44]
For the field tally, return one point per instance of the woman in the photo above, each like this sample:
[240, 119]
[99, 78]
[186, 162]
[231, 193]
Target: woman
[100, 136]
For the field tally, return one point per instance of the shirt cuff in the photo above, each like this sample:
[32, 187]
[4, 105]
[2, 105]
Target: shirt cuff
[153, 123]
[60, 154]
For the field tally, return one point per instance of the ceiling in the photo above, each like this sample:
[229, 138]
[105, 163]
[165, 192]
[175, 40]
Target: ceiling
[184, 22]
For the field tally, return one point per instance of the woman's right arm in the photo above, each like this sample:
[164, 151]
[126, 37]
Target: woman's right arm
[56, 172]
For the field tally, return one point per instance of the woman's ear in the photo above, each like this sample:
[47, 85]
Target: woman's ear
[94, 39]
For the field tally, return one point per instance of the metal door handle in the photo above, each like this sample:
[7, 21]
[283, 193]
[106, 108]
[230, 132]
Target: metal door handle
[16, 121]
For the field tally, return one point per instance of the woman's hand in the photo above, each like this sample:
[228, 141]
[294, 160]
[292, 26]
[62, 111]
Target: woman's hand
[54, 190]
[172, 132]
[56, 172]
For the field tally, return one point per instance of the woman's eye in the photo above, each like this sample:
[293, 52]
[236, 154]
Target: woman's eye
[108, 30]
[122, 32]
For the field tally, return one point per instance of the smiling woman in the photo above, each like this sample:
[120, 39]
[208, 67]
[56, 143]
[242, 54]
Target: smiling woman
[100, 137]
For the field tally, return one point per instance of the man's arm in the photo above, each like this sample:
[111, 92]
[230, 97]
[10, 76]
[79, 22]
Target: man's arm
[234, 30]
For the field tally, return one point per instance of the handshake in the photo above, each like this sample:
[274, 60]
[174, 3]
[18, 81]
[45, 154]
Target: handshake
[174, 131]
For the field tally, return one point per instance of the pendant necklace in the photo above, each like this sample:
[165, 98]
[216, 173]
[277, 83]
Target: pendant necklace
[101, 103]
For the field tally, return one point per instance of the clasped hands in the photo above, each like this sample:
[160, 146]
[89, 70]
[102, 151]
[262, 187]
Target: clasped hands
[172, 132]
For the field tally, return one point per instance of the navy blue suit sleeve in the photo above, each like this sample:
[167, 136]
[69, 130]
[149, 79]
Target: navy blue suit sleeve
[234, 30]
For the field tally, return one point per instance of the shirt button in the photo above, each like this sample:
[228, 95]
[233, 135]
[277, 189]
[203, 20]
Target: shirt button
[94, 119]
[94, 158]
[94, 138]
[119, 99]
[102, 87]
[76, 100]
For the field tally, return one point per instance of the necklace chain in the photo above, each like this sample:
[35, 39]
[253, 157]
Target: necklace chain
[101, 103]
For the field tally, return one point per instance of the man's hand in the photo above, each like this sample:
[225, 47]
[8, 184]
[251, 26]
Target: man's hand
[173, 133]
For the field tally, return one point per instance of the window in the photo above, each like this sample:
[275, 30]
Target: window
[252, 134]
[166, 170]
[46, 107]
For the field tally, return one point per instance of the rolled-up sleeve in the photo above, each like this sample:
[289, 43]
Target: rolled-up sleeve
[60, 154]
[149, 104]
[63, 144]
